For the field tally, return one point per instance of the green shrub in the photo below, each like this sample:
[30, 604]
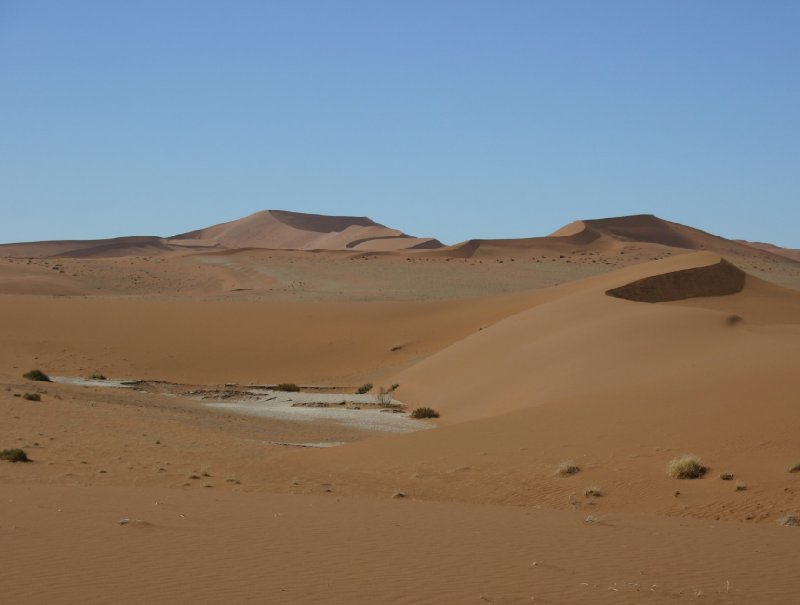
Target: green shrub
[36, 375]
[687, 466]
[288, 387]
[32, 397]
[96, 376]
[364, 388]
[424, 413]
[14, 455]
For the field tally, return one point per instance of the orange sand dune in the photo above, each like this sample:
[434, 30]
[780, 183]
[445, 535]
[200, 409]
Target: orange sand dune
[639, 238]
[280, 229]
[275, 229]
[582, 340]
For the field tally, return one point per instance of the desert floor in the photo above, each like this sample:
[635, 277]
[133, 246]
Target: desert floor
[148, 494]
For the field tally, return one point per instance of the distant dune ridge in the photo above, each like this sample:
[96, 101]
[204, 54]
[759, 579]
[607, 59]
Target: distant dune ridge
[609, 235]
[275, 229]
[284, 230]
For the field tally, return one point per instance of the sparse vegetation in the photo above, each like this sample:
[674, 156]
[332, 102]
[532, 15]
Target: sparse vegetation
[96, 376]
[592, 492]
[726, 476]
[420, 413]
[32, 397]
[795, 468]
[14, 455]
[384, 396]
[364, 388]
[567, 468]
[287, 387]
[37, 375]
[790, 520]
[740, 487]
[687, 466]
[393, 388]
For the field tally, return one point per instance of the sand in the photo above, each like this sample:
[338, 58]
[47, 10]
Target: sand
[615, 344]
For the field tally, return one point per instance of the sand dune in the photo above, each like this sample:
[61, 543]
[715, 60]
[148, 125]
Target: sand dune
[582, 339]
[280, 229]
[274, 229]
[639, 233]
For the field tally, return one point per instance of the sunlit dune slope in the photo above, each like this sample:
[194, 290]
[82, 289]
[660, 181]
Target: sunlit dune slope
[583, 340]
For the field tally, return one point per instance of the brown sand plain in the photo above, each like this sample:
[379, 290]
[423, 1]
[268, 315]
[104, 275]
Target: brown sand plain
[530, 362]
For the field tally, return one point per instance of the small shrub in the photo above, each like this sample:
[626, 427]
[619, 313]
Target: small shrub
[32, 397]
[287, 387]
[424, 413]
[686, 467]
[96, 376]
[790, 520]
[795, 468]
[592, 492]
[14, 455]
[37, 375]
[740, 487]
[364, 388]
[726, 476]
[393, 388]
[567, 468]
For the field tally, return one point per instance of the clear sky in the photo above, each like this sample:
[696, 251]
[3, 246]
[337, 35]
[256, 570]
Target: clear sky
[455, 119]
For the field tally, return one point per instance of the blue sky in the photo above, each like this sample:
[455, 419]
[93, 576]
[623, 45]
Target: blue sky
[455, 119]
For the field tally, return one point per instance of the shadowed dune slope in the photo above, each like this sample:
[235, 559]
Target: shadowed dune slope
[719, 279]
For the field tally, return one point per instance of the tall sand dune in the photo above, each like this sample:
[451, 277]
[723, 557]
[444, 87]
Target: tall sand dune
[582, 339]
[280, 229]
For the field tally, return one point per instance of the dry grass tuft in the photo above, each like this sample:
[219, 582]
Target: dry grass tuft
[790, 520]
[592, 492]
[726, 476]
[567, 468]
[687, 466]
